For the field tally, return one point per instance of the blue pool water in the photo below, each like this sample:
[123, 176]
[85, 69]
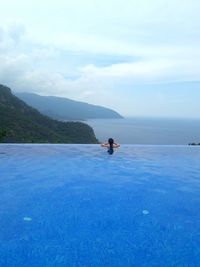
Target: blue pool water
[75, 205]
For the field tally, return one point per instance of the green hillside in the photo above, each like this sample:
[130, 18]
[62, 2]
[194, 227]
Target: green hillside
[67, 109]
[24, 124]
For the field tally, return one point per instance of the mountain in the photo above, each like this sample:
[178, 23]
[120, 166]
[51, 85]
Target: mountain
[67, 109]
[24, 124]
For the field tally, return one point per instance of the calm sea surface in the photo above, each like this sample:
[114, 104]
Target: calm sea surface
[148, 130]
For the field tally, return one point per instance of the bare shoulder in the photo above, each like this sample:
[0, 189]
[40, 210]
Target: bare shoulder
[116, 145]
[105, 145]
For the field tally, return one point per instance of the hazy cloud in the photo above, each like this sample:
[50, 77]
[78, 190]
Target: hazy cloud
[110, 53]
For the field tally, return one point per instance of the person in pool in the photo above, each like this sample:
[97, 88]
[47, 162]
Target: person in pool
[110, 145]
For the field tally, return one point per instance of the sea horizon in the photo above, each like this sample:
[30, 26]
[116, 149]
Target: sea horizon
[148, 130]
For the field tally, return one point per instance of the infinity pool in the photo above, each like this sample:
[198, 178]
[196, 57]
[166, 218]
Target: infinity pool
[76, 205]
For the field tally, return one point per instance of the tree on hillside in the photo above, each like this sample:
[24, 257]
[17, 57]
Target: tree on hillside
[2, 134]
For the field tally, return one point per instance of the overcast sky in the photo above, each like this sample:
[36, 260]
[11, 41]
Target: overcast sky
[141, 58]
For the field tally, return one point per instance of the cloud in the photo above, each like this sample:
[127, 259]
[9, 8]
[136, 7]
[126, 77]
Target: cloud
[12, 68]
[150, 70]
[16, 30]
[29, 66]
[95, 68]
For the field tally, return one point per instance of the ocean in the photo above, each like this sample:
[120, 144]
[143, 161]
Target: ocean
[157, 131]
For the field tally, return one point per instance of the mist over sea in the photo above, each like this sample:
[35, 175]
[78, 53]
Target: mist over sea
[158, 131]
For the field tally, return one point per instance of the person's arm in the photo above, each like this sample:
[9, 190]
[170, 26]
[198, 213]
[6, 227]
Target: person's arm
[115, 145]
[104, 145]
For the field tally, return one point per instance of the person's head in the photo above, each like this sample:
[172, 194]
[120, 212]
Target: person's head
[110, 141]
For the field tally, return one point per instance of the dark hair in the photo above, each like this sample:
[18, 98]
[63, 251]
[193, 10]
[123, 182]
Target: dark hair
[111, 142]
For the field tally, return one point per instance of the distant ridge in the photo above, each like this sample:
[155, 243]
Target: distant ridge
[67, 109]
[24, 124]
